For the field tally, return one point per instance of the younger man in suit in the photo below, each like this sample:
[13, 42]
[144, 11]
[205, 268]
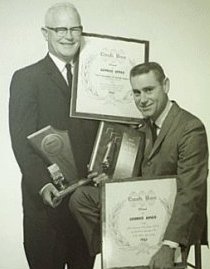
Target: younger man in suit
[179, 147]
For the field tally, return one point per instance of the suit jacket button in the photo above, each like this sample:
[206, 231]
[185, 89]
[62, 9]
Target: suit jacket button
[149, 163]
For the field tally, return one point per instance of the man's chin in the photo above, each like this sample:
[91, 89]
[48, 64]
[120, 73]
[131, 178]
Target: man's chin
[68, 56]
[146, 114]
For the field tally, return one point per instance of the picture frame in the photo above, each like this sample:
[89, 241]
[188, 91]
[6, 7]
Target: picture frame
[135, 213]
[101, 88]
[118, 150]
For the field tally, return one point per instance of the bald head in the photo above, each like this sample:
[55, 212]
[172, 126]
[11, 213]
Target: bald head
[60, 10]
[63, 31]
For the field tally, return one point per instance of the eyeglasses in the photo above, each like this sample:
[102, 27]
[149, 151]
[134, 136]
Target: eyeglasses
[62, 31]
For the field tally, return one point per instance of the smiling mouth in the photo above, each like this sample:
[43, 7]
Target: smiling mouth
[67, 44]
[146, 107]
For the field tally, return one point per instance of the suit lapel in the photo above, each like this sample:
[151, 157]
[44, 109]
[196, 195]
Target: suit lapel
[55, 75]
[165, 128]
[148, 137]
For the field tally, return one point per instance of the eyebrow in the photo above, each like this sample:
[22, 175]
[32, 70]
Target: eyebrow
[143, 89]
[148, 88]
[135, 90]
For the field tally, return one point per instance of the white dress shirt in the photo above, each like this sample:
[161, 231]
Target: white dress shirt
[61, 66]
[159, 121]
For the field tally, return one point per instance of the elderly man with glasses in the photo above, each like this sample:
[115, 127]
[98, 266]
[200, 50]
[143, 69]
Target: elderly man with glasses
[40, 96]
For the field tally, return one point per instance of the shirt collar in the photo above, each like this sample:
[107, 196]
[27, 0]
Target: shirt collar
[159, 121]
[60, 64]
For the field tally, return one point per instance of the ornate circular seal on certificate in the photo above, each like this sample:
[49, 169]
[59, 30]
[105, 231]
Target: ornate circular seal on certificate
[52, 144]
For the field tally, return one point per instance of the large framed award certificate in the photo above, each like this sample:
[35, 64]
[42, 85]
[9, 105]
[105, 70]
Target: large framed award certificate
[135, 213]
[101, 87]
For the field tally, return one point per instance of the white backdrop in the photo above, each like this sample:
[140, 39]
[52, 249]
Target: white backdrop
[178, 31]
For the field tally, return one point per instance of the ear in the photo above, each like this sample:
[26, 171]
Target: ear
[166, 85]
[45, 33]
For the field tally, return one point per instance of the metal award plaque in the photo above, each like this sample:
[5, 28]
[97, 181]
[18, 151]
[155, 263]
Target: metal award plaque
[55, 146]
[118, 150]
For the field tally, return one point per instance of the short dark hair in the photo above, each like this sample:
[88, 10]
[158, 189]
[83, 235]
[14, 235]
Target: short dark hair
[144, 68]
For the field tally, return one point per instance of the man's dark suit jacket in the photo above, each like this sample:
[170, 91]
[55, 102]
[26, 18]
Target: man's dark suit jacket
[181, 149]
[39, 96]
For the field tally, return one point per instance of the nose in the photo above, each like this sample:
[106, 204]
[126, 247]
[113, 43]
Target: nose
[69, 34]
[143, 99]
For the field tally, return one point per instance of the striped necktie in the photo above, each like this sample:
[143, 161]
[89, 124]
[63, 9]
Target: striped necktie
[69, 75]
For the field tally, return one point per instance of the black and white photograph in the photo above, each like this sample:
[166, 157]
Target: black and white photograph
[105, 132]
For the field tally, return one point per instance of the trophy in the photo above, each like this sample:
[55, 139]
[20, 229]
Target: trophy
[118, 150]
[55, 147]
[60, 182]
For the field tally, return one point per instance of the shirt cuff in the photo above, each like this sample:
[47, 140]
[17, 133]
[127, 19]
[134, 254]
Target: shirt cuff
[171, 244]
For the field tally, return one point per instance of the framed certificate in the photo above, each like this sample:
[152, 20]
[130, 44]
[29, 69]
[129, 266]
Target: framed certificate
[101, 86]
[135, 213]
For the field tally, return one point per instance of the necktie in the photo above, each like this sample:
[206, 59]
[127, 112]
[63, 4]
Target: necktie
[153, 127]
[69, 75]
